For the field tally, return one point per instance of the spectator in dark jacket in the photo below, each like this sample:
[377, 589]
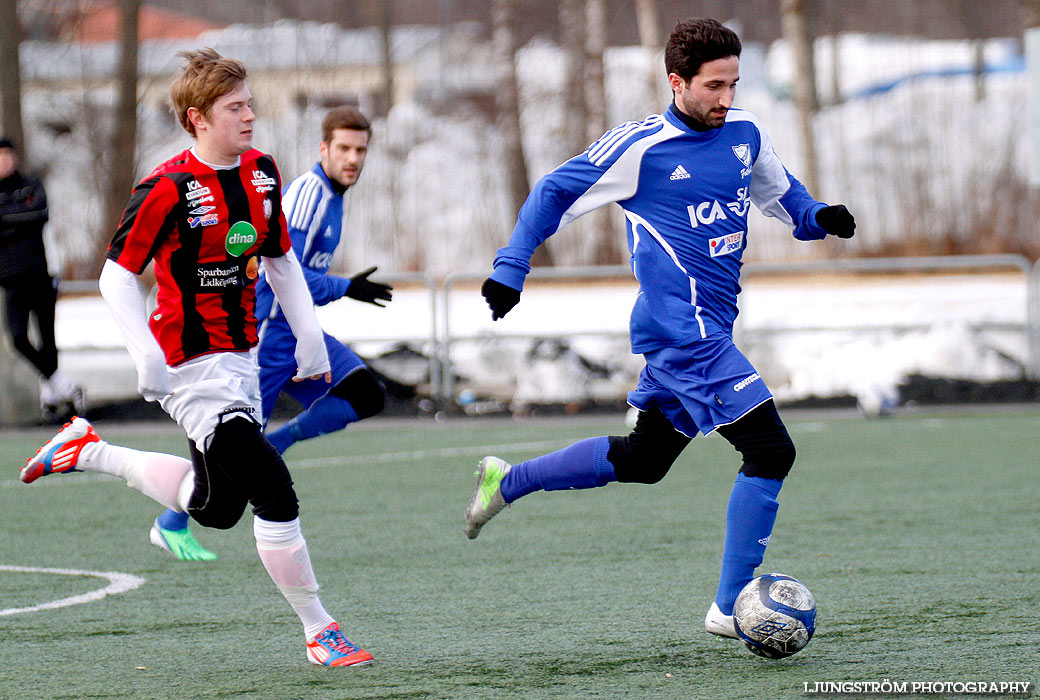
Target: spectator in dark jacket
[30, 291]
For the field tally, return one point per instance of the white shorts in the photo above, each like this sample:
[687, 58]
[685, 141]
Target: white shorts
[209, 389]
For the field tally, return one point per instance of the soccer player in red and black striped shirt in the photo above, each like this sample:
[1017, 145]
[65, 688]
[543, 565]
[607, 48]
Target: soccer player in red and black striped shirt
[206, 218]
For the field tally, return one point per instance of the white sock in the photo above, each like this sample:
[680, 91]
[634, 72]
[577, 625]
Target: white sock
[48, 396]
[62, 385]
[283, 552]
[163, 478]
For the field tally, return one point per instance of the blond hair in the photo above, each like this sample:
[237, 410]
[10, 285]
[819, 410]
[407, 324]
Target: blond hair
[206, 77]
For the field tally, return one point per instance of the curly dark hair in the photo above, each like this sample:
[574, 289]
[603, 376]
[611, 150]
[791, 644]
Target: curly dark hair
[697, 41]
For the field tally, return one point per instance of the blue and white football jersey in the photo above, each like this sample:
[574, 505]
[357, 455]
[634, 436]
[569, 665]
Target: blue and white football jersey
[314, 212]
[685, 195]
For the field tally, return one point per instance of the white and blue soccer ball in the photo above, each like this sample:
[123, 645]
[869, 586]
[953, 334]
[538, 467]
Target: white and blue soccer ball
[775, 616]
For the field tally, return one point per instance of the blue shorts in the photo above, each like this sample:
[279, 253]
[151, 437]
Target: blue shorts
[701, 386]
[278, 367]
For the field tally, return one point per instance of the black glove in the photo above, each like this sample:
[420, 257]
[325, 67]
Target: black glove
[364, 290]
[499, 297]
[836, 220]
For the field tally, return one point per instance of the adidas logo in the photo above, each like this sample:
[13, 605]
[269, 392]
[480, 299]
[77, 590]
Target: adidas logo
[765, 541]
[679, 173]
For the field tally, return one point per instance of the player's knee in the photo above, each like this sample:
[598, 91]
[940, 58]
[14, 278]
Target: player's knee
[21, 343]
[635, 464]
[364, 392]
[218, 514]
[772, 459]
[646, 454]
[213, 503]
[255, 468]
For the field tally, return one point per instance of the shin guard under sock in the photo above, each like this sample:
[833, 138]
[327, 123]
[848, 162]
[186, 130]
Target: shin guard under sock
[283, 552]
[750, 516]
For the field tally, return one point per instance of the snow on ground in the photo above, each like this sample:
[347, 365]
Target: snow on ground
[811, 335]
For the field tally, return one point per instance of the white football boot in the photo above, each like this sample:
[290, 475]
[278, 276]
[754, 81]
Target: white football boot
[719, 624]
[487, 499]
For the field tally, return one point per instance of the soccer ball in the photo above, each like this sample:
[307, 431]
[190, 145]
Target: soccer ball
[775, 616]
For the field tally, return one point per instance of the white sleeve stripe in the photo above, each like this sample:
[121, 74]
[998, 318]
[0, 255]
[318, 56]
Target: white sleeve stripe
[596, 149]
[291, 198]
[302, 210]
[304, 202]
[317, 222]
[601, 151]
[619, 181]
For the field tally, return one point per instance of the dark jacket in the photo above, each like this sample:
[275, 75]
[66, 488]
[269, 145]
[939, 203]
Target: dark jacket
[23, 212]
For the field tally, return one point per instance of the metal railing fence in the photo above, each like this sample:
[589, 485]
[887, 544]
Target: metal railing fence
[443, 333]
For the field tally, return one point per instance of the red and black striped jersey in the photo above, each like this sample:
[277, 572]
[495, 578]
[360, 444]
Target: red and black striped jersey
[204, 229]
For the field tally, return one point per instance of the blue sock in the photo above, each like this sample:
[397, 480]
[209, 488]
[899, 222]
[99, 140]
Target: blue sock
[173, 520]
[583, 465]
[749, 523]
[326, 415]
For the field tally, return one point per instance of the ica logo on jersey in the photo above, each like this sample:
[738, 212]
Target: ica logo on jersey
[196, 192]
[263, 182]
[321, 260]
[712, 211]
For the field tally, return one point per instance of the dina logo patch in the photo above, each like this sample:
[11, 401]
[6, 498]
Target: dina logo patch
[240, 238]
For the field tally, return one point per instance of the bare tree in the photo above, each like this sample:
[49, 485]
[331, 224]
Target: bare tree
[650, 38]
[1030, 13]
[384, 8]
[1031, 26]
[123, 139]
[607, 250]
[10, 76]
[972, 16]
[795, 27]
[572, 40]
[507, 105]
[594, 78]
[17, 382]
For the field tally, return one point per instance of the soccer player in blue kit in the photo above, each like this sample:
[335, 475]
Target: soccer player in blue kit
[685, 180]
[314, 205]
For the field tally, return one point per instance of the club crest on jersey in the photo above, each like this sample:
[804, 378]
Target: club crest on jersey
[268, 208]
[263, 182]
[743, 154]
[204, 220]
[724, 245]
[240, 238]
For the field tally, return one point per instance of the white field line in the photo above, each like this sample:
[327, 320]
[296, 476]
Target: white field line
[418, 455]
[376, 458]
[117, 583]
